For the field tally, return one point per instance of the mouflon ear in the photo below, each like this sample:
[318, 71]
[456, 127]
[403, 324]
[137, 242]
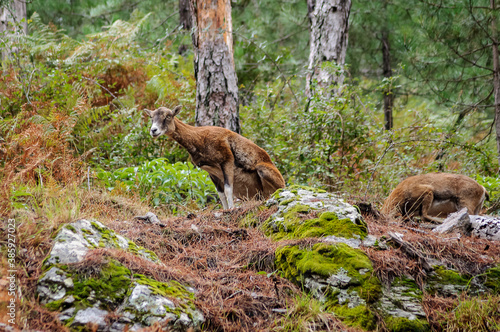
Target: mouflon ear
[148, 112]
[177, 109]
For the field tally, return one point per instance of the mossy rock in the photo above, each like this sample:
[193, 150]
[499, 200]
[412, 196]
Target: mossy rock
[295, 189]
[82, 292]
[338, 275]
[360, 316]
[401, 306]
[402, 324]
[331, 216]
[492, 279]
[447, 282]
[74, 240]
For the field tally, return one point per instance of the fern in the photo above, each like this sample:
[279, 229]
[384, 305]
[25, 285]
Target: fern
[118, 38]
[47, 41]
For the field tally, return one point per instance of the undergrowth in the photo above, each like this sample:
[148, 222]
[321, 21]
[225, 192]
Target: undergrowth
[72, 112]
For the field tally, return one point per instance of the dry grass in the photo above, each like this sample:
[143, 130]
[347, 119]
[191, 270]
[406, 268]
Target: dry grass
[468, 255]
[230, 266]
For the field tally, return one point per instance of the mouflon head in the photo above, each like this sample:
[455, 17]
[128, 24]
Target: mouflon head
[163, 120]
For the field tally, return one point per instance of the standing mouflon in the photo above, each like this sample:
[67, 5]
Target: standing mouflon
[236, 165]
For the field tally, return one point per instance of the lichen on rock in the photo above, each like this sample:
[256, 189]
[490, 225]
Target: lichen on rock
[87, 294]
[401, 306]
[293, 219]
[338, 275]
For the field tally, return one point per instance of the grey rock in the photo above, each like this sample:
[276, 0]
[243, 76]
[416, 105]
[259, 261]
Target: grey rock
[51, 285]
[399, 300]
[456, 222]
[352, 299]
[68, 282]
[149, 217]
[316, 288]
[486, 227]
[66, 314]
[90, 315]
[144, 301]
[353, 243]
[369, 241]
[341, 279]
[70, 299]
[183, 320]
[69, 247]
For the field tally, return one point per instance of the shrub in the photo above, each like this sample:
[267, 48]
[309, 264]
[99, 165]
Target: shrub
[160, 182]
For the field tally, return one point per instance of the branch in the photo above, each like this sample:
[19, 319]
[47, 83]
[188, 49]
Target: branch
[274, 62]
[111, 93]
[410, 251]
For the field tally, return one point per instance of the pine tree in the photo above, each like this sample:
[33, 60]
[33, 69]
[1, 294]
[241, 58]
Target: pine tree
[458, 59]
[216, 82]
[329, 36]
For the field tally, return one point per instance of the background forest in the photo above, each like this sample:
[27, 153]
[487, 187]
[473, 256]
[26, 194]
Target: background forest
[417, 92]
[73, 91]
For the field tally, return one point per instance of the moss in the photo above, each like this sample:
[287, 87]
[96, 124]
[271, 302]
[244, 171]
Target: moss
[87, 231]
[402, 324]
[411, 286]
[109, 287]
[328, 223]
[450, 277]
[56, 305]
[298, 187]
[444, 277]
[167, 289]
[359, 316]
[287, 201]
[71, 228]
[295, 189]
[325, 260]
[492, 279]
[141, 251]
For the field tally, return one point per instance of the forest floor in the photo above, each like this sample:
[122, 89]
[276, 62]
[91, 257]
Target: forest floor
[230, 261]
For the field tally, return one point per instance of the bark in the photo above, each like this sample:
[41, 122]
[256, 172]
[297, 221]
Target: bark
[216, 82]
[11, 17]
[329, 35]
[496, 77]
[185, 15]
[387, 72]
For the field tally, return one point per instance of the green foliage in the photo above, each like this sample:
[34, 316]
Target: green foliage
[160, 182]
[492, 185]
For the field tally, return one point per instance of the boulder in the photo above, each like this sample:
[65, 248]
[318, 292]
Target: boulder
[484, 227]
[86, 297]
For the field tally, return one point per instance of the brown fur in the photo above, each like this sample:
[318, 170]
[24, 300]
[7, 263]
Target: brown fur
[435, 195]
[236, 165]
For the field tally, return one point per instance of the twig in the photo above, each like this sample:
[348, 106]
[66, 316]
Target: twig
[375, 168]
[269, 57]
[40, 176]
[88, 178]
[111, 93]
[410, 251]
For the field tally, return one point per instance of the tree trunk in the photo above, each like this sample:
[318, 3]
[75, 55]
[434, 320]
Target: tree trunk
[216, 82]
[329, 35]
[11, 19]
[496, 77]
[185, 20]
[387, 72]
